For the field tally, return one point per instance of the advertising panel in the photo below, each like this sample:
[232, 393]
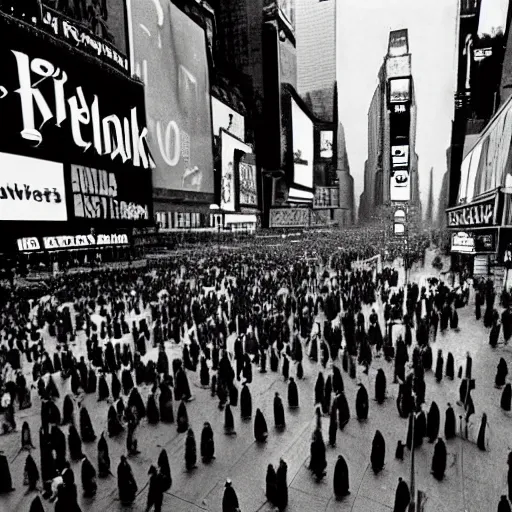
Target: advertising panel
[303, 145]
[225, 117]
[229, 144]
[326, 142]
[97, 28]
[31, 189]
[400, 186]
[98, 194]
[289, 217]
[247, 181]
[59, 111]
[171, 58]
[400, 90]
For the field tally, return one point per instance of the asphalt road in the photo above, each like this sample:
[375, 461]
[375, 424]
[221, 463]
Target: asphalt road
[474, 480]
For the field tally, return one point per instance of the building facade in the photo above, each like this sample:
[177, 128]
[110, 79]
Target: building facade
[391, 170]
[75, 166]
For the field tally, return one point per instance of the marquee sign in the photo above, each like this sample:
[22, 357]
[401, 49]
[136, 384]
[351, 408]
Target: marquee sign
[71, 242]
[480, 214]
[474, 242]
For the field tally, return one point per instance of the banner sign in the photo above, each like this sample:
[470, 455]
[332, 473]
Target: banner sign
[399, 155]
[481, 214]
[97, 195]
[399, 90]
[400, 184]
[71, 242]
[326, 144]
[289, 217]
[170, 56]
[31, 189]
[82, 37]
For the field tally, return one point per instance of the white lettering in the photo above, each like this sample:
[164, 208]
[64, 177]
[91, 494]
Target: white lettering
[118, 147]
[79, 115]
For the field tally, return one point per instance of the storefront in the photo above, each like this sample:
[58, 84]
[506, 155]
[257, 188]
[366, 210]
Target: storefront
[75, 171]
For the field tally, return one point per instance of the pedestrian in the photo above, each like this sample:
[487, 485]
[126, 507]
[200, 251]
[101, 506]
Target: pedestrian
[68, 411]
[282, 485]
[362, 403]
[503, 505]
[103, 391]
[260, 427]
[166, 404]
[482, 439]
[293, 394]
[207, 443]
[506, 397]
[326, 404]
[279, 419]
[114, 426]
[245, 402]
[449, 423]
[343, 410]
[439, 366]
[230, 499]
[378, 454]
[26, 437]
[190, 451]
[333, 425]
[204, 373]
[271, 485]
[126, 484]
[182, 418]
[433, 421]
[229, 423]
[402, 496]
[164, 470]
[337, 380]
[152, 410]
[36, 505]
[399, 452]
[103, 457]
[5, 481]
[439, 460]
[319, 389]
[450, 366]
[30, 473]
[380, 386]
[74, 444]
[89, 484]
[501, 373]
[341, 483]
[86, 428]
[286, 367]
[156, 492]
[115, 384]
[318, 461]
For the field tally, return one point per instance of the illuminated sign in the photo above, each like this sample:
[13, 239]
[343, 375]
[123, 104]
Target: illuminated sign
[400, 186]
[481, 214]
[399, 109]
[326, 143]
[473, 242]
[303, 146]
[247, 184]
[225, 117]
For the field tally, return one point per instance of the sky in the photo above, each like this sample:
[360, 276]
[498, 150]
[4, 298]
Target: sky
[362, 40]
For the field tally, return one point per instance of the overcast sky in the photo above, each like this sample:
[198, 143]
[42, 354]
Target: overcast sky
[362, 39]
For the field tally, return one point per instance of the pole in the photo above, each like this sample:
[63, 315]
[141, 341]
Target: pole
[412, 503]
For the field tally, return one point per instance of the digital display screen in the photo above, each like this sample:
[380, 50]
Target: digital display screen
[303, 141]
[171, 58]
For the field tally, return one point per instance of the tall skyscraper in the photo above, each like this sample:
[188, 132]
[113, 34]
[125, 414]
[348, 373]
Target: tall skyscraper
[391, 170]
[315, 28]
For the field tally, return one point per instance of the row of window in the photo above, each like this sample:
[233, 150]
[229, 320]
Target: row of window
[187, 220]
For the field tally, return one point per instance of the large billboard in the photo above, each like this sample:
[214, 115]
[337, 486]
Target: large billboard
[400, 186]
[171, 58]
[56, 109]
[303, 146]
[95, 26]
[289, 217]
[400, 90]
[31, 189]
[227, 118]
[229, 146]
[326, 144]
